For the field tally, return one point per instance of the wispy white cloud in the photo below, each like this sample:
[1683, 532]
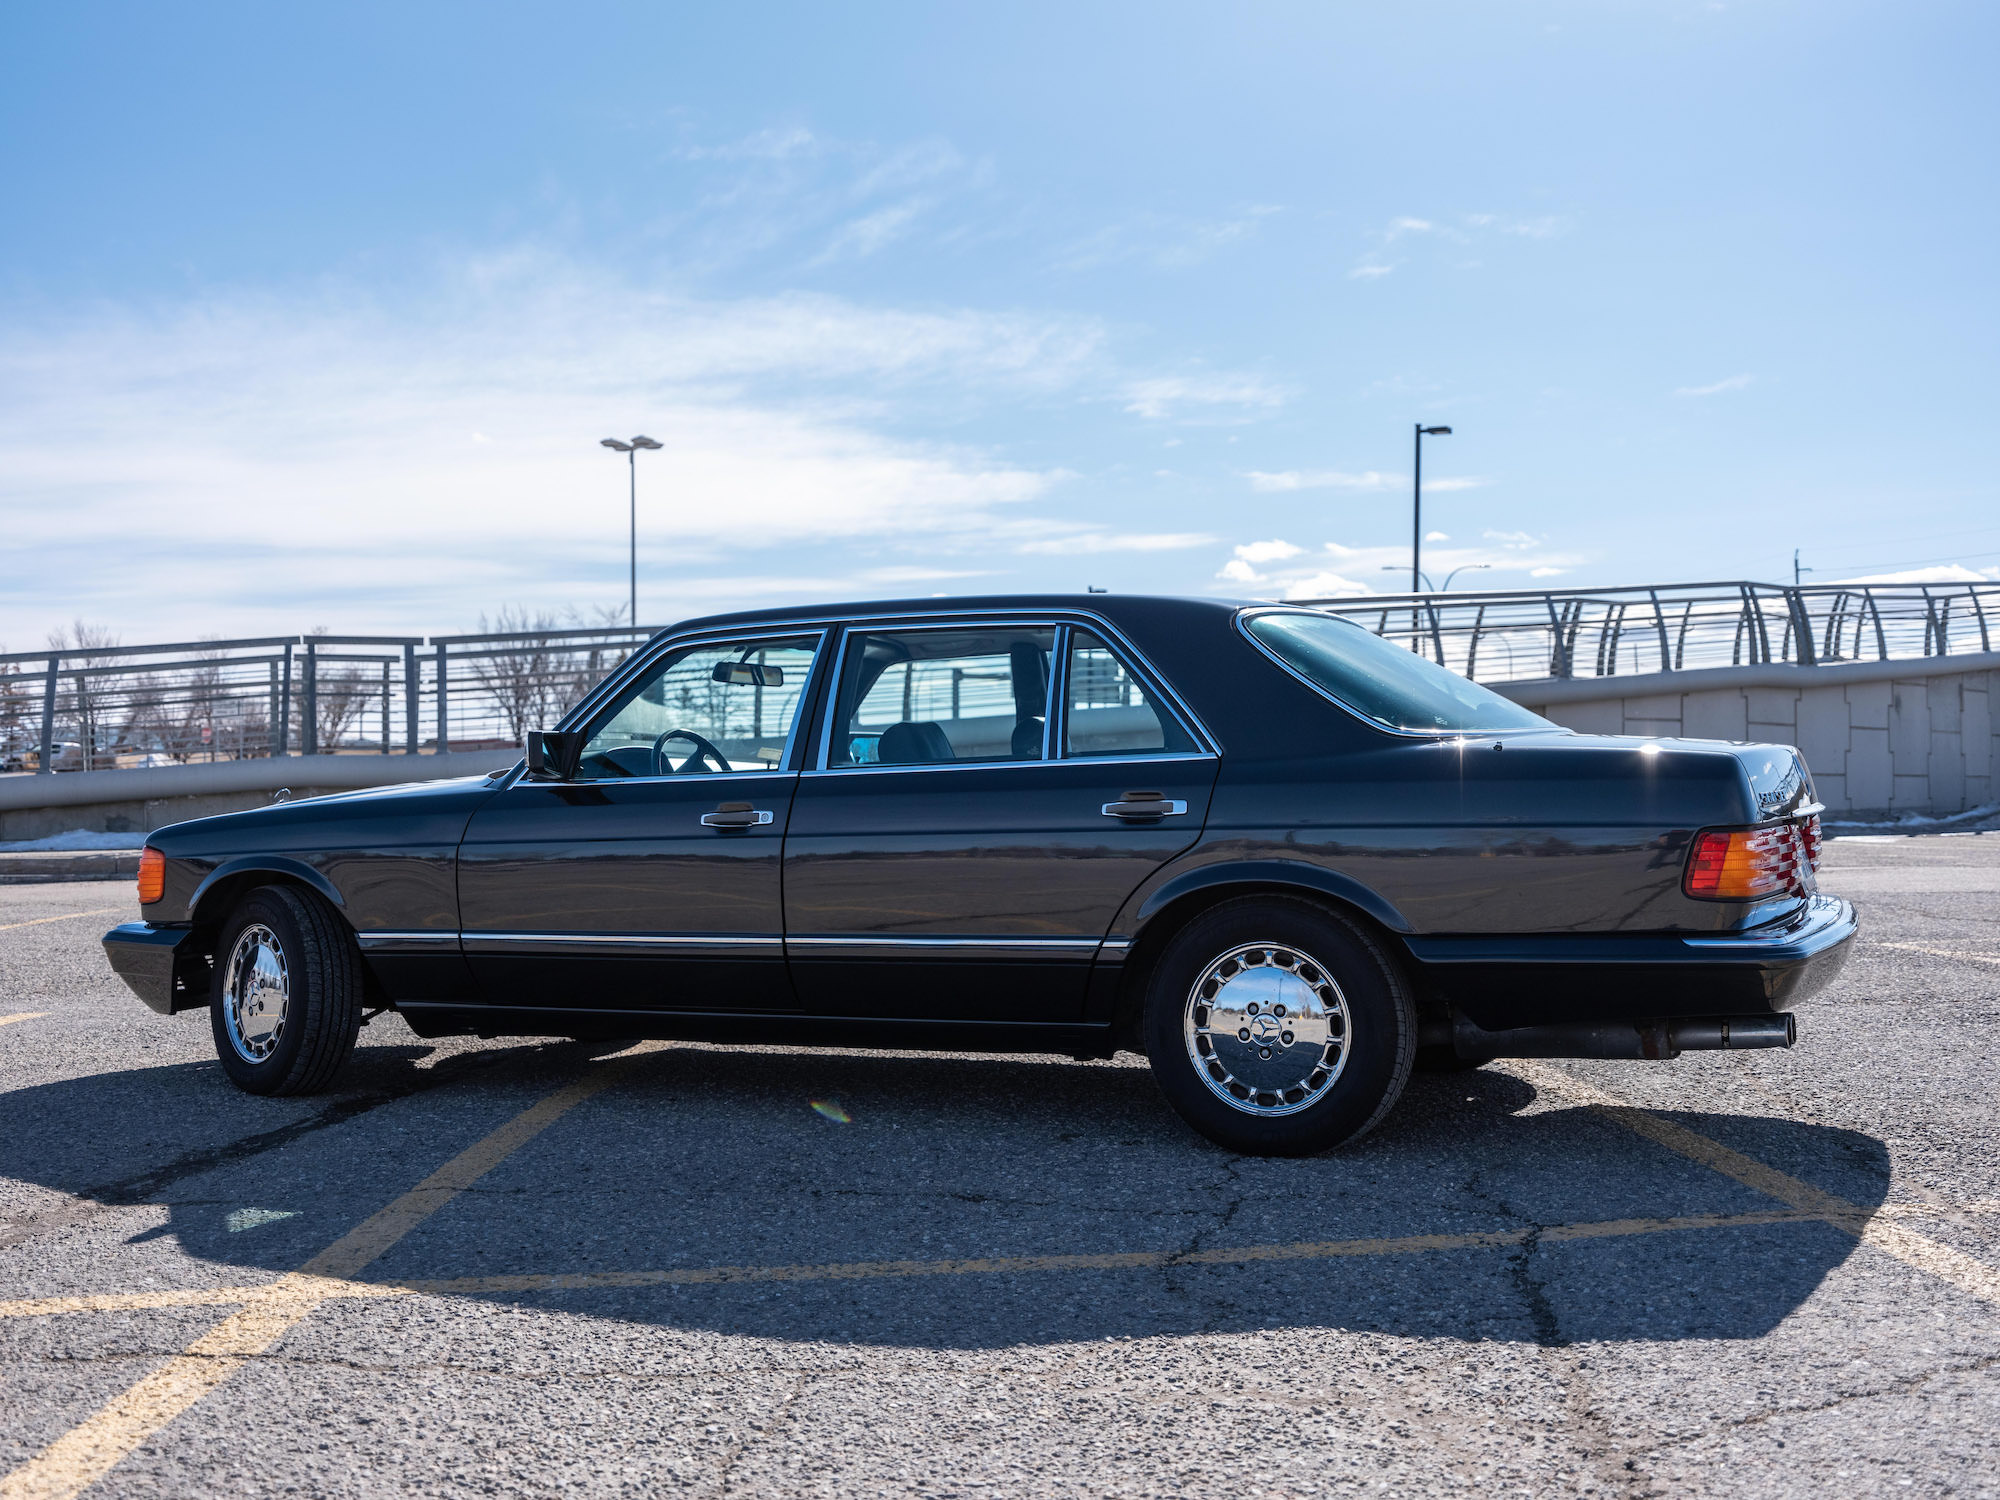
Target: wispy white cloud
[1168, 395]
[869, 233]
[1284, 480]
[1275, 550]
[1733, 383]
[1124, 541]
[1270, 483]
[405, 467]
[1465, 230]
[764, 145]
[1281, 570]
[1169, 243]
[1938, 573]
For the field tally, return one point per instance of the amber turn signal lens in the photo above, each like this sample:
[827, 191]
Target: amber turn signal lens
[1750, 864]
[152, 876]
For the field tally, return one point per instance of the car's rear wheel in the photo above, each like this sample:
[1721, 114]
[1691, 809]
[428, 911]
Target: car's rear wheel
[1277, 1028]
[285, 1005]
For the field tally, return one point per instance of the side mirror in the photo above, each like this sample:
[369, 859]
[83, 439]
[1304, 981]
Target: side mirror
[554, 754]
[748, 674]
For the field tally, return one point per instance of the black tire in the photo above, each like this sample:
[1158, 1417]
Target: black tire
[301, 939]
[1379, 1029]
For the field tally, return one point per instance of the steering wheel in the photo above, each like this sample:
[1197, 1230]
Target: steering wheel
[703, 750]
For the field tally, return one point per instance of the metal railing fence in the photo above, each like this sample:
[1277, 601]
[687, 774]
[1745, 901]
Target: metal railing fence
[1508, 635]
[110, 707]
[103, 707]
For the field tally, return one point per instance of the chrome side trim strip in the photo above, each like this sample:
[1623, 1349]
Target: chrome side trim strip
[407, 942]
[1009, 765]
[1115, 948]
[636, 944]
[936, 947]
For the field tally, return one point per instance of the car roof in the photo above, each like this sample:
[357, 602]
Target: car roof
[1124, 610]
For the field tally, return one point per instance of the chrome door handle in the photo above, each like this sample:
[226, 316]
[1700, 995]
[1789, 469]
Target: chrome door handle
[735, 815]
[1144, 807]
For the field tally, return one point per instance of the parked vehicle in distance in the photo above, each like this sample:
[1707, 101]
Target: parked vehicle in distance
[1284, 858]
[64, 755]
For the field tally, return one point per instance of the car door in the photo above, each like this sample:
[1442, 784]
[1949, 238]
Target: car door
[651, 880]
[985, 795]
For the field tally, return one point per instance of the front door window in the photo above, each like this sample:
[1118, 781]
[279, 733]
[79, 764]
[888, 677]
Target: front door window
[715, 708]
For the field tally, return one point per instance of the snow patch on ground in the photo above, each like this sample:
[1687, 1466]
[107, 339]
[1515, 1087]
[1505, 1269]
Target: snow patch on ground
[76, 838]
[1922, 823]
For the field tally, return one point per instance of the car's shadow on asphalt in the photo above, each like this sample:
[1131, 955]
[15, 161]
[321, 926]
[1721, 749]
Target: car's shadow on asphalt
[1552, 1224]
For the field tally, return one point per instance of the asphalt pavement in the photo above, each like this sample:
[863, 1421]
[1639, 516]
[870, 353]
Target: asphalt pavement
[532, 1268]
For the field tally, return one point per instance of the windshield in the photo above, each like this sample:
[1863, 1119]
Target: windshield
[1380, 680]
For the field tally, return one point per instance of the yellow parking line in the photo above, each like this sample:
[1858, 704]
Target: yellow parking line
[868, 1270]
[198, 1296]
[1415, 1244]
[68, 916]
[22, 1015]
[1970, 958]
[1954, 1267]
[88, 1451]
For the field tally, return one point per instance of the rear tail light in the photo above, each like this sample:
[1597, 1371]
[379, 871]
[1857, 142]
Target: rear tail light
[152, 876]
[1752, 864]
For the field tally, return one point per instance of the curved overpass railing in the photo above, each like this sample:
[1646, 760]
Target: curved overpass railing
[1508, 635]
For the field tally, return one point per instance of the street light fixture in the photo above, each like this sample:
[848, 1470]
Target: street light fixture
[1461, 568]
[1417, 502]
[631, 452]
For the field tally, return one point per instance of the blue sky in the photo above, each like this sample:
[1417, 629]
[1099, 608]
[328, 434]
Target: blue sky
[315, 315]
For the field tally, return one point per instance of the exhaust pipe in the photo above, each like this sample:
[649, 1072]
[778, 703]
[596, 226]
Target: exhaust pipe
[1657, 1041]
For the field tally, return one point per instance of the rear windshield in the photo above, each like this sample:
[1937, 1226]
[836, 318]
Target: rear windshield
[1380, 680]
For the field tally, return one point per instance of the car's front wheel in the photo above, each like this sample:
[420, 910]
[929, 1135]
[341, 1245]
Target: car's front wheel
[286, 999]
[1278, 1028]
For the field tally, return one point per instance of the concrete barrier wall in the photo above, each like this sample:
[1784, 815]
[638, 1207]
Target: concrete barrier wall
[1882, 738]
[33, 807]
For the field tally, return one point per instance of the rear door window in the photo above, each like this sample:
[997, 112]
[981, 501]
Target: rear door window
[1111, 711]
[944, 696]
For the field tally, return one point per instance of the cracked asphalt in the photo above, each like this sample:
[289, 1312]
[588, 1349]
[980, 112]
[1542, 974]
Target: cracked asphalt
[1014, 1276]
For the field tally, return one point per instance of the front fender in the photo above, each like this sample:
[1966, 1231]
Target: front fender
[229, 872]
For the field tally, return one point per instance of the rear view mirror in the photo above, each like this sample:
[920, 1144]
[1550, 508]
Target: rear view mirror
[748, 674]
[554, 754]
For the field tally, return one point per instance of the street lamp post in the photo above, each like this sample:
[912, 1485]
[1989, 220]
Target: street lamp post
[1417, 502]
[631, 452]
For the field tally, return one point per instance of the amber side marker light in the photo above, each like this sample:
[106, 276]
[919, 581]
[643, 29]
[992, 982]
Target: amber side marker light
[152, 876]
[1751, 864]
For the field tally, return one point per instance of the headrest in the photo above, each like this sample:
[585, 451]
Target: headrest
[1030, 671]
[909, 744]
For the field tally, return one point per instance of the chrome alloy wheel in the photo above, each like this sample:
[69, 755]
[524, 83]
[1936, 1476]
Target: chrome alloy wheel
[1266, 1029]
[256, 992]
